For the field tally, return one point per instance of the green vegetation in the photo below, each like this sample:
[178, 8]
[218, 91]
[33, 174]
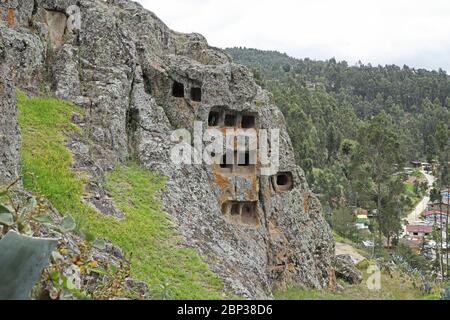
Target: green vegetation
[417, 174]
[158, 258]
[326, 102]
[354, 128]
[394, 286]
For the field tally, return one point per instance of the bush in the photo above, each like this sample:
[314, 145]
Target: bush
[363, 265]
[413, 260]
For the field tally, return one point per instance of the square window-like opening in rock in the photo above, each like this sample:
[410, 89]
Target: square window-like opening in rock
[249, 213]
[133, 119]
[196, 94]
[230, 120]
[225, 164]
[244, 159]
[235, 209]
[284, 181]
[178, 90]
[147, 84]
[226, 208]
[213, 119]
[248, 122]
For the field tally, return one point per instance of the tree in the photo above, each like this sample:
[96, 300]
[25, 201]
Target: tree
[344, 222]
[287, 67]
[436, 197]
[380, 154]
[389, 219]
[442, 137]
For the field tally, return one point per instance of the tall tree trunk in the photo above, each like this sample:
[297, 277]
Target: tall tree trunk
[435, 235]
[380, 232]
[446, 231]
[441, 257]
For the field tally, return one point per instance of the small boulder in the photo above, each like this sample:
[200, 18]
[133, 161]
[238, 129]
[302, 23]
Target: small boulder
[445, 295]
[346, 269]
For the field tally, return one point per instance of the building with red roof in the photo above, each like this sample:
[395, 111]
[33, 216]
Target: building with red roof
[419, 230]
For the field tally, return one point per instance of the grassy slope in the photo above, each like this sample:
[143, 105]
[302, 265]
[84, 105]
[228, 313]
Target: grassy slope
[397, 287]
[409, 190]
[158, 259]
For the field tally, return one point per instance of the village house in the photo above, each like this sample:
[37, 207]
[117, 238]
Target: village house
[419, 230]
[362, 219]
[362, 222]
[422, 165]
[442, 206]
[416, 164]
[437, 217]
[446, 195]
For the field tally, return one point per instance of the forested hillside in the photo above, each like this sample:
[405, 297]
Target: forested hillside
[330, 104]
[355, 127]
[414, 98]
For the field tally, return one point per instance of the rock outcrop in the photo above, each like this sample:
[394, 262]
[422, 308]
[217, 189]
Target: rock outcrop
[139, 81]
[9, 132]
[346, 269]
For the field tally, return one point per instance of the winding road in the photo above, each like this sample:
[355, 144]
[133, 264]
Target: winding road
[415, 215]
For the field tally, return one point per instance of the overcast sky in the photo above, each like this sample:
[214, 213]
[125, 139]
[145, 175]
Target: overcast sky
[412, 32]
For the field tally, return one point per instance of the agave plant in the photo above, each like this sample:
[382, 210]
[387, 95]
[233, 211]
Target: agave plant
[23, 211]
[22, 260]
[23, 257]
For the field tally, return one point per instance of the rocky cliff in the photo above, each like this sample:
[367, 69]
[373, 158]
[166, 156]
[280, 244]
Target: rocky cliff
[139, 81]
[9, 133]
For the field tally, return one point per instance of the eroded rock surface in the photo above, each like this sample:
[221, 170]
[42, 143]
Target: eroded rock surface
[139, 80]
[9, 131]
[346, 269]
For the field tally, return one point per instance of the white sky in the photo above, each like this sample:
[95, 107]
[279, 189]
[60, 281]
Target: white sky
[412, 32]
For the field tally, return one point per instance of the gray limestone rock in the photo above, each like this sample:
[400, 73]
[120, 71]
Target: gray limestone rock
[139, 80]
[346, 269]
[9, 131]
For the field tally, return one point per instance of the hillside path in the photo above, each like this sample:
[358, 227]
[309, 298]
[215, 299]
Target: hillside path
[346, 249]
[415, 215]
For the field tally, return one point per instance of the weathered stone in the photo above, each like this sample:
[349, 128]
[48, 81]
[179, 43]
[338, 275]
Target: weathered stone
[9, 131]
[25, 56]
[56, 22]
[445, 296]
[346, 269]
[138, 287]
[139, 80]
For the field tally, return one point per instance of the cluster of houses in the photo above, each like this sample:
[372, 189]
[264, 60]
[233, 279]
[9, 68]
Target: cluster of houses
[435, 218]
[363, 218]
[418, 235]
[424, 165]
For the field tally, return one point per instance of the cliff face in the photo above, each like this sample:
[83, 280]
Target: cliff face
[9, 132]
[139, 81]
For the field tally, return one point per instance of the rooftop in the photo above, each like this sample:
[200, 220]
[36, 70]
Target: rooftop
[419, 228]
[435, 212]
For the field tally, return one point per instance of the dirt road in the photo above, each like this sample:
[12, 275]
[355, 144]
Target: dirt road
[343, 248]
[415, 215]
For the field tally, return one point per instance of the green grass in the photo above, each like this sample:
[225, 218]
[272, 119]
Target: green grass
[409, 187]
[158, 258]
[338, 238]
[418, 174]
[397, 287]
[413, 197]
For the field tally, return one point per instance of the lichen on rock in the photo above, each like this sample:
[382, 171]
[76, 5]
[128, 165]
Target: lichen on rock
[9, 130]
